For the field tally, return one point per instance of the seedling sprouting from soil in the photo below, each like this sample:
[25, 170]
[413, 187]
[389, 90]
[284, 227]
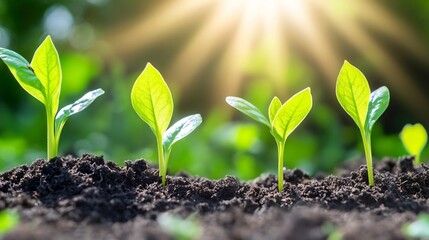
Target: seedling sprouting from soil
[364, 107]
[42, 80]
[414, 138]
[151, 99]
[282, 119]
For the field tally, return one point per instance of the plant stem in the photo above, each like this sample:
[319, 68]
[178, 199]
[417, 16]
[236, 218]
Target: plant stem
[162, 167]
[52, 144]
[280, 150]
[417, 159]
[366, 138]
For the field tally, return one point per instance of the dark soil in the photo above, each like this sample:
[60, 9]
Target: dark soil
[89, 198]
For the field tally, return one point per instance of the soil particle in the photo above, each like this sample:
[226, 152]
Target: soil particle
[90, 198]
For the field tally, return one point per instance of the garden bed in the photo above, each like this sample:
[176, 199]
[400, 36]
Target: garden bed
[90, 198]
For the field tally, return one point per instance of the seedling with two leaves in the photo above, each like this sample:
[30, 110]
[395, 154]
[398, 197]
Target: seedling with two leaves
[282, 119]
[365, 108]
[42, 80]
[152, 101]
[414, 138]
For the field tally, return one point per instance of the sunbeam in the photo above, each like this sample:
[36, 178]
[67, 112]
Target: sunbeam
[232, 31]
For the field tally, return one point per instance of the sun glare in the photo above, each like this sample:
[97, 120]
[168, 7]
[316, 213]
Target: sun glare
[231, 31]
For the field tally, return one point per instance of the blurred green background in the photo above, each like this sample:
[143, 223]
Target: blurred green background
[207, 50]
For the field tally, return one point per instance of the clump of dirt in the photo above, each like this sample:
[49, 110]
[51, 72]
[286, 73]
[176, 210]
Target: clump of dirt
[90, 198]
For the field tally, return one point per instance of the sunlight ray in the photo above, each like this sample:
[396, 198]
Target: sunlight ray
[205, 43]
[167, 20]
[315, 43]
[230, 70]
[396, 77]
[273, 33]
[382, 21]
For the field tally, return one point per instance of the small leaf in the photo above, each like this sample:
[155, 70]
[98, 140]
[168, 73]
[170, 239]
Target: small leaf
[248, 109]
[152, 100]
[8, 221]
[378, 103]
[291, 114]
[414, 137]
[419, 229]
[180, 129]
[23, 73]
[47, 67]
[274, 107]
[353, 93]
[76, 107]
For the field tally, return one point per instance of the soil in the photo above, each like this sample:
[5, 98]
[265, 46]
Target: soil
[90, 198]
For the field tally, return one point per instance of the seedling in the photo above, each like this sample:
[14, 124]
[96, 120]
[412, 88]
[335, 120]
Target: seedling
[42, 80]
[282, 119]
[151, 99]
[414, 138]
[364, 107]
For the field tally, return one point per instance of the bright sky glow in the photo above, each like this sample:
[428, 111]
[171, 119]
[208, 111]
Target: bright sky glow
[234, 30]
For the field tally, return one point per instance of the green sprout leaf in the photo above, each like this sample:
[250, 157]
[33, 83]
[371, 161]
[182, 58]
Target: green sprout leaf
[365, 108]
[179, 130]
[283, 119]
[414, 138]
[291, 114]
[378, 103]
[248, 109]
[353, 93]
[8, 221]
[46, 66]
[23, 73]
[274, 107]
[152, 100]
[418, 229]
[71, 109]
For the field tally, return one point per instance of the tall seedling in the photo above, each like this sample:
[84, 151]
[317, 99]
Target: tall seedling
[42, 80]
[364, 107]
[282, 119]
[152, 101]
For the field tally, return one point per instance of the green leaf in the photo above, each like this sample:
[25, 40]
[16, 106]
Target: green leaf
[418, 229]
[23, 73]
[414, 137]
[179, 130]
[8, 221]
[274, 107]
[378, 103]
[152, 100]
[291, 114]
[248, 109]
[75, 107]
[47, 67]
[353, 93]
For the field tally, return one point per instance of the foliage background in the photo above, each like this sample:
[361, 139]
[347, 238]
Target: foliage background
[89, 37]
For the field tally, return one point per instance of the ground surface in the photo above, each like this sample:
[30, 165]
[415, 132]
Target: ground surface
[90, 198]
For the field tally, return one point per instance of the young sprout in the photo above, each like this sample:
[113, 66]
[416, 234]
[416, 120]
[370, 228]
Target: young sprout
[152, 101]
[282, 119]
[42, 80]
[364, 107]
[414, 138]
